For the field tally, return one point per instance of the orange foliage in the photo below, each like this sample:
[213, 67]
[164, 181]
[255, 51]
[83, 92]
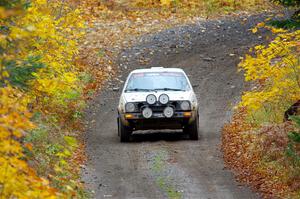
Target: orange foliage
[250, 153]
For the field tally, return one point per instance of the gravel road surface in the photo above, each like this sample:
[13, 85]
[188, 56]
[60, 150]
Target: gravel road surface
[167, 164]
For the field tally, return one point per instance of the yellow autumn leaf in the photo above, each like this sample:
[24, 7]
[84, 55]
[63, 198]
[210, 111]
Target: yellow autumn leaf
[272, 69]
[260, 25]
[165, 2]
[254, 30]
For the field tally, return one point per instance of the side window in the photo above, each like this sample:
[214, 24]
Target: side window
[130, 83]
[184, 83]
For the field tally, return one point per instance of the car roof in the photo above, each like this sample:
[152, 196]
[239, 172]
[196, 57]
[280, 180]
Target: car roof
[157, 69]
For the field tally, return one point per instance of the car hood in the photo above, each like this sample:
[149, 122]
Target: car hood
[173, 95]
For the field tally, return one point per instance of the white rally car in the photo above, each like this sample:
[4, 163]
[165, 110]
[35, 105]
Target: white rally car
[157, 98]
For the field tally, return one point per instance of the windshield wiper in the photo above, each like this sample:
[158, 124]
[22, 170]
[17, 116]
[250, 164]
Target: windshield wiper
[169, 89]
[139, 90]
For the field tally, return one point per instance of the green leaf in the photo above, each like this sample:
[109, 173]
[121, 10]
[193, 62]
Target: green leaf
[294, 136]
[296, 119]
[9, 3]
[20, 74]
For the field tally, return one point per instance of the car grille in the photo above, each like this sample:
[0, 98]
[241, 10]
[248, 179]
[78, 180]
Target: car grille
[156, 108]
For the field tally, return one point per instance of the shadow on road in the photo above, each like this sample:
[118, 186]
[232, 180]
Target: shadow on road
[158, 136]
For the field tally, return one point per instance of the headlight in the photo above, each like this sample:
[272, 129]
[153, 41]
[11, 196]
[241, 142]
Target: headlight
[151, 99]
[147, 112]
[130, 107]
[185, 106]
[169, 112]
[163, 99]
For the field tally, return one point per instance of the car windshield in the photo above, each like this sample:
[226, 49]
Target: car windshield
[153, 81]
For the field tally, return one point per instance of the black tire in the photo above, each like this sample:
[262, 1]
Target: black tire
[193, 129]
[123, 131]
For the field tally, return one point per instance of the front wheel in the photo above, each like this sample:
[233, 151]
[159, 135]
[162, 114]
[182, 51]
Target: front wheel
[123, 131]
[193, 129]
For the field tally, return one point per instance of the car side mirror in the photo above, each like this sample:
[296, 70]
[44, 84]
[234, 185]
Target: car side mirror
[195, 85]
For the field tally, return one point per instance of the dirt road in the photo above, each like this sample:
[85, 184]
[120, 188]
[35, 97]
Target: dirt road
[167, 164]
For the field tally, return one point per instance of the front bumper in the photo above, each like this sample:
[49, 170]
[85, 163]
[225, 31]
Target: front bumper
[136, 121]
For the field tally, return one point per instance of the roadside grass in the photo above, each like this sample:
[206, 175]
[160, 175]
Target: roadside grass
[53, 153]
[168, 189]
[268, 114]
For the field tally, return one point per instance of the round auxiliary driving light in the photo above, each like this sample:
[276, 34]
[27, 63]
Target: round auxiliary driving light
[147, 112]
[169, 112]
[151, 99]
[130, 107]
[163, 99]
[185, 105]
